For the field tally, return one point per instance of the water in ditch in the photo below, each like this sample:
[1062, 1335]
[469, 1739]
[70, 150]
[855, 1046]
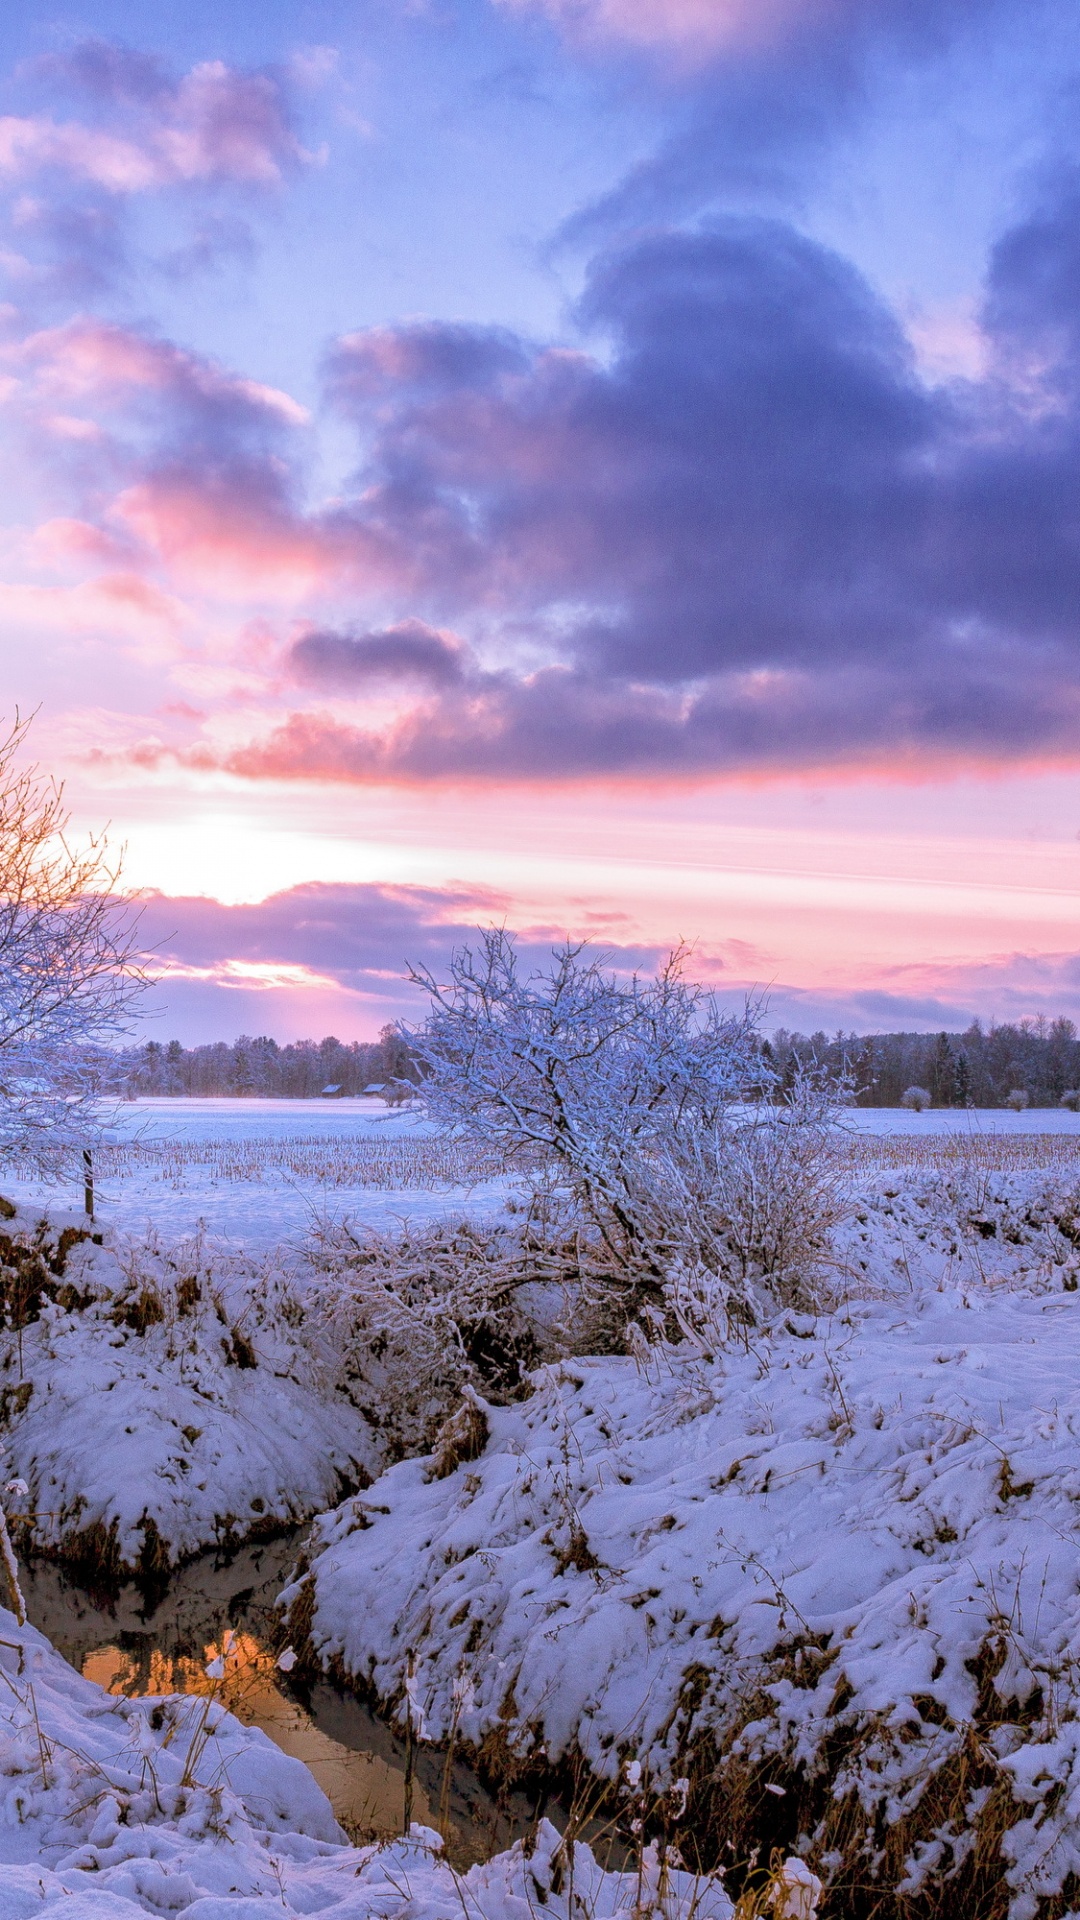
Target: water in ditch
[132, 1645]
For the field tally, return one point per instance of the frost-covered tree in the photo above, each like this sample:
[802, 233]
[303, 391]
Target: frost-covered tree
[638, 1102]
[578, 1066]
[68, 967]
[916, 1099]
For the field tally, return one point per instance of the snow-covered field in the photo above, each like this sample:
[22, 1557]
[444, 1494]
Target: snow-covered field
[964, 1123]
[263, 1173]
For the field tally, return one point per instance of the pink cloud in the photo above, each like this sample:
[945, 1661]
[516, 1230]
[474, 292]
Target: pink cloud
[689, 29]
[188, 479]
[214, 125]
[117, 604]
[28, 146]
[63, 541]
[229, 538]
[94, 359]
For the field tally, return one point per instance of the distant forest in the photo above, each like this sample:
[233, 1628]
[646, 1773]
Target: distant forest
[978, 1068]
[261, 1069]
[981, 1067]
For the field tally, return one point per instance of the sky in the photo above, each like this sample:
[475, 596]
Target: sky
[605, 467]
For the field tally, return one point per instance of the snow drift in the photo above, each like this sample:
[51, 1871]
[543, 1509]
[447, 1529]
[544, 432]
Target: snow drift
[160, 1405]
[830, 1579]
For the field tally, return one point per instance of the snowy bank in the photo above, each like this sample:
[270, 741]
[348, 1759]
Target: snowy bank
[830, 1579]
[111, 1808]
[161, 1407]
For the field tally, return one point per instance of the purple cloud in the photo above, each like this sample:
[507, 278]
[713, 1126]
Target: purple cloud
[764, 90]
[334, 954]
[748, 534]
[752, 536]
[355, 933]
[742, 479]
[214, 124]
[410, 651]
[274, 965]
[137, 130]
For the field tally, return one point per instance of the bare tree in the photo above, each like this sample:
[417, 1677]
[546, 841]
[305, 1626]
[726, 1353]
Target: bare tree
[68, 967]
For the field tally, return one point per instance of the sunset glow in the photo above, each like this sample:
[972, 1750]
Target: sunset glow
[607, 468]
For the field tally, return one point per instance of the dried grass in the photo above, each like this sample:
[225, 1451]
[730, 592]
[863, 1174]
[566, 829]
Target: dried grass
[859, 1154]
[309, 1160]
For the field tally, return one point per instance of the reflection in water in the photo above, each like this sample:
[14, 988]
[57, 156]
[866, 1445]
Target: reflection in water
[224, 1612]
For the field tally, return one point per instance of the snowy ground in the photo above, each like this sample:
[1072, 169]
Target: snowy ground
[828, 1568]
[272, 1169]
[269, 1176]
[808, 1577]
[158, 1408]
[974, 1122]
[111, 1809]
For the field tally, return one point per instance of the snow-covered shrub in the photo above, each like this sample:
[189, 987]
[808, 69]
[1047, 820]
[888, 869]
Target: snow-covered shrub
[637, 1108]
[1070, 1099]
[749, 1212]
[1018, 1099]
[418, 1318]
[916, 1099]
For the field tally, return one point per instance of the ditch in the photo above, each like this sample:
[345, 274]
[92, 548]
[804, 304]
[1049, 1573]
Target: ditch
[134, 1644]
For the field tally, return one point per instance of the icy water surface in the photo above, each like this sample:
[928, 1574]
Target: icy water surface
[132, 1647]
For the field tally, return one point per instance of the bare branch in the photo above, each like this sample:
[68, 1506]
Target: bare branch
[69, 968]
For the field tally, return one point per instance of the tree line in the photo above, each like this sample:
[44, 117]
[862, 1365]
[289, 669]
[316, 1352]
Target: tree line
[259, 1068]
[980, 1067]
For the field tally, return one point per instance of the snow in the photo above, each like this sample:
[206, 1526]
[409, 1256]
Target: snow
[273, 1206]
[837, 1562]
[865, 1525]
[276, 1207]
[111, 1809]
[170, 1407]
[970, 1122]
[263, 1119]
